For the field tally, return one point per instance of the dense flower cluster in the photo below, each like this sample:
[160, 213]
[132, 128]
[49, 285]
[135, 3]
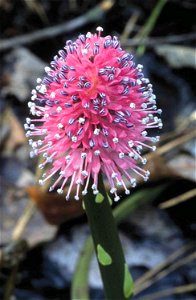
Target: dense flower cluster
[92, 112]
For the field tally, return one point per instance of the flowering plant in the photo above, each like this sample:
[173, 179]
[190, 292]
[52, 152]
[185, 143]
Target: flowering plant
[92, 112]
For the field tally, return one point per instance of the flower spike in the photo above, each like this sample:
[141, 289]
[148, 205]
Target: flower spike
[92, 113]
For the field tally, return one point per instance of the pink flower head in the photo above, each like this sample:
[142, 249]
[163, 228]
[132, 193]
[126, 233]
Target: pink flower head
[92, 112]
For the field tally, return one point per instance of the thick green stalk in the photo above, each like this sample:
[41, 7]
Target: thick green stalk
[79, 288]
[116, 278]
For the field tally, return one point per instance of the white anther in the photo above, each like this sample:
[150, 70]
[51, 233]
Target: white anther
[84, 51]
[32, 154]
[131, 154]
[145, 80]
[32, 111]
[35, 151]
[99, 28]
[160, 125]
[132, 105]
[94, 186]
[96, 131]
[83, 154]
[95, 192]
[133, 182]
[59, 109]
[74, 139]
[113, 190]
[144, 105]
[40, 143]
[53, 95]
[44, 131]
[78, 181]
[68, 157]
[147, 173]
[144, 133]
[34, 145]
[81, 120]
[60, 126]
[144, 121]
[33, 97]
[47, 69]
[146, 93]
[130, 143]
[42, 89]
[119, 183]
[138, 81]
[28, 120]
[34, 92]
[60, 191]
[121, 155]
[26, 126]
[62, 173]
[114, 175]
[115, 140]
[41, 182]
[86, 105]
[38, 113]
[139, 66]
[49, 160]
[136, 156]
[88, 35]
[117, 198]
[45, 155]
[28, 134]
[97, 152]
[39, 80]
[31, 104]
[144, 161]
[157, 138]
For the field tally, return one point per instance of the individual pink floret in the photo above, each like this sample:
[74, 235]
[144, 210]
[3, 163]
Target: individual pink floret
[92, 112]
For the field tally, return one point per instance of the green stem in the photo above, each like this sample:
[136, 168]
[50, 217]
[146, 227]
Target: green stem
[149, 25]
[114, 272]
[79, 288]
[10, 283]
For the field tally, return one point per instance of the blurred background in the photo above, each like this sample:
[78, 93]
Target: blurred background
[42, 236]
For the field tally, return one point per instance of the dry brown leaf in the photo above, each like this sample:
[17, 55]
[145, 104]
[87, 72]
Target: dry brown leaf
[17, 134]
[183, 165]
[53, 206]
[177, 56]
[158, 168]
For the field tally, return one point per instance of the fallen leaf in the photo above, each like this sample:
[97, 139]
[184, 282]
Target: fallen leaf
[53, 206]
[177, 56]
[183, 165]
[16, 135]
